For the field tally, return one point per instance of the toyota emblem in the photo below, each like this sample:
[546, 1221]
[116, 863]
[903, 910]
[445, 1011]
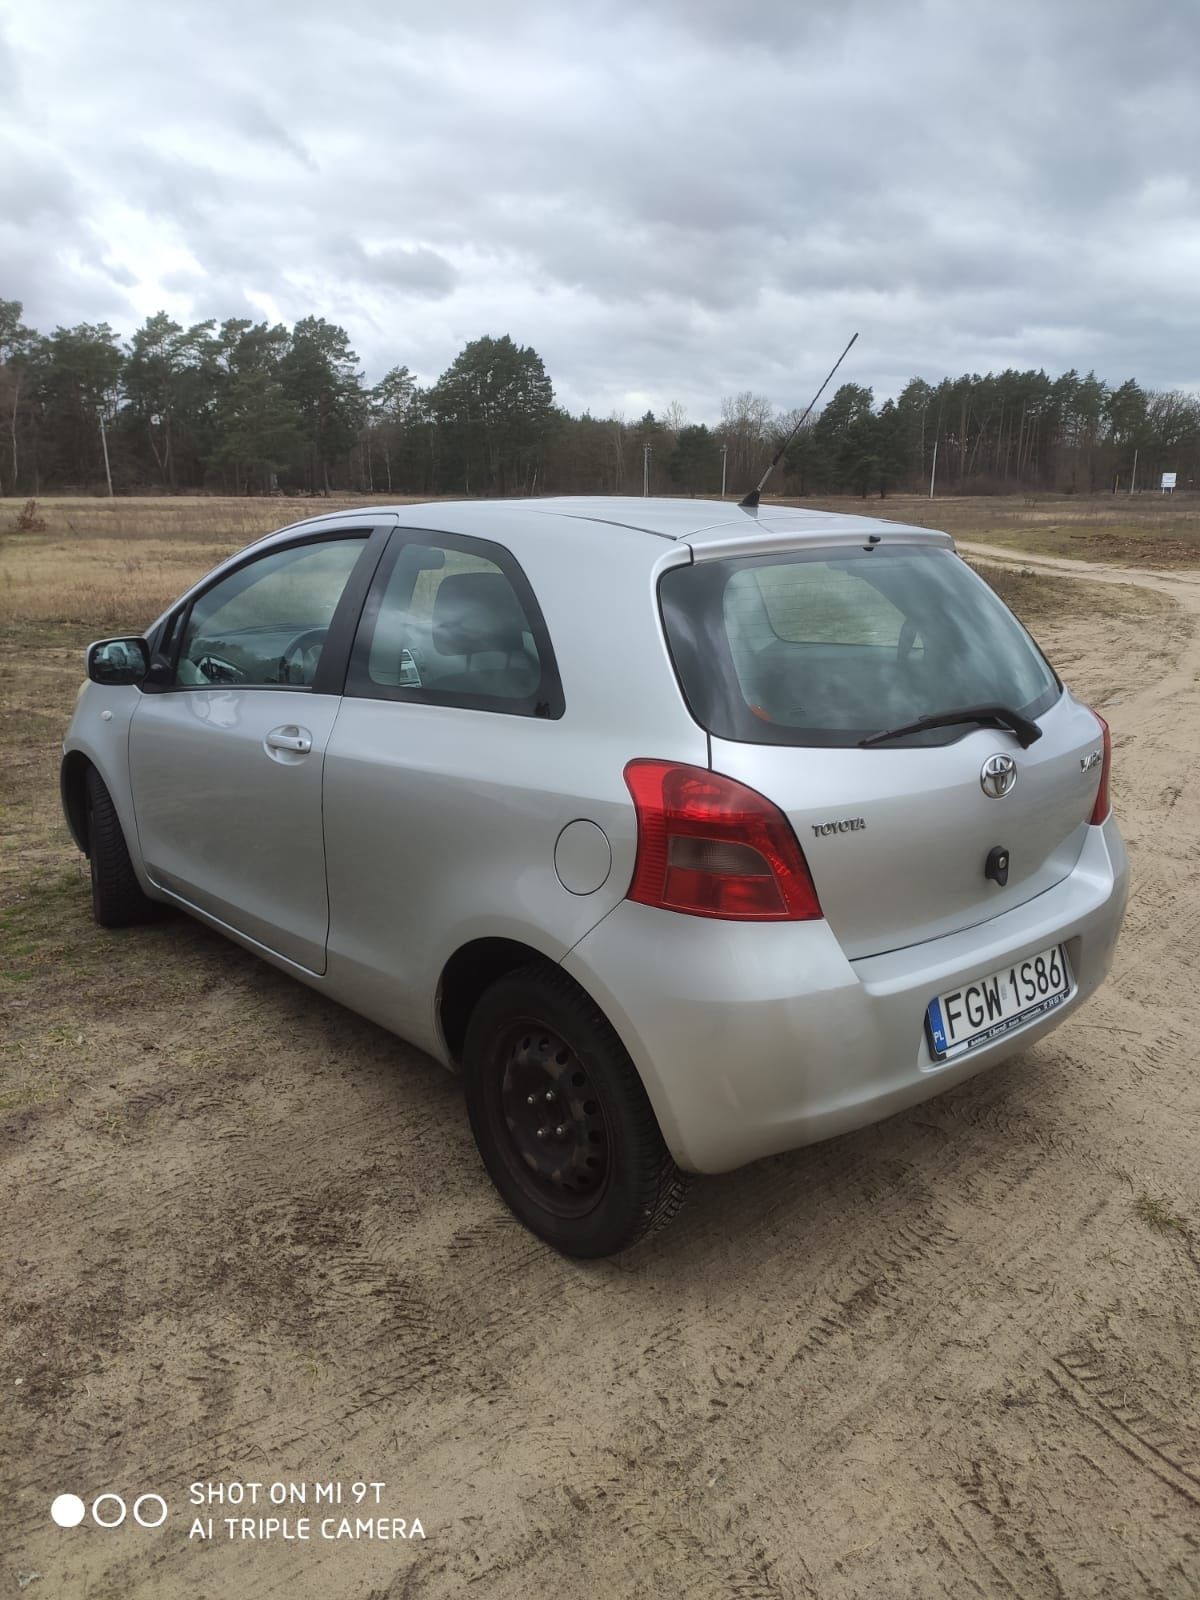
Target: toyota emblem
[999, 776]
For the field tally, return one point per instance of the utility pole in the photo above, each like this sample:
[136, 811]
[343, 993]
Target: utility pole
[1133, 475]
[724, 464]
[933, 473]
[645, 469]
[104, 447]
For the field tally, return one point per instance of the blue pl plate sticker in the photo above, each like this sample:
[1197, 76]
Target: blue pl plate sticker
[937, 1027]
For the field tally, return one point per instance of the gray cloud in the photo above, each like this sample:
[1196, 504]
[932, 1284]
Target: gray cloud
[414, 270]
[670, 199]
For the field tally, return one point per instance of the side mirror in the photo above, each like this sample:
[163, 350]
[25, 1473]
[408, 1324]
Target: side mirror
[118, 661]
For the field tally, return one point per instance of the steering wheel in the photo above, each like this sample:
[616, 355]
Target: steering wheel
[298, 663]
[908, 637]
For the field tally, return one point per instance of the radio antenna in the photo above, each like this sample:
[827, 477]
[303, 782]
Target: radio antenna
[750, 501]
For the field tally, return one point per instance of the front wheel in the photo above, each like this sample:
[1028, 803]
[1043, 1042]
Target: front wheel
[117, 897]
[561, 1118]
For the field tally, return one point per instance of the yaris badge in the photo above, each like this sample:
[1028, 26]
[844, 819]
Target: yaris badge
[999, 776]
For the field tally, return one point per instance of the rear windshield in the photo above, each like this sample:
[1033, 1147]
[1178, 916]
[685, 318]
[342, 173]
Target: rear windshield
[827, 647]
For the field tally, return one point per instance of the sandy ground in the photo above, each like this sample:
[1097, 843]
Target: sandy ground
[247, 1239]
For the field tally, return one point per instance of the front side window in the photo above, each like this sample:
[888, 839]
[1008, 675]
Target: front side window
[453, 621]
[267, 622]
[830, 647]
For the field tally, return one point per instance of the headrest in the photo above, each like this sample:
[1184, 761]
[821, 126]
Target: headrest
[474, 611]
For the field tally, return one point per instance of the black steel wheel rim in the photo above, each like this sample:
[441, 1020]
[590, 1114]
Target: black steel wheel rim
[550, 1120]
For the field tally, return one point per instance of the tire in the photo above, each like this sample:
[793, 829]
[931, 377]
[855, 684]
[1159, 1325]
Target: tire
[117, 898]
[561, 1118]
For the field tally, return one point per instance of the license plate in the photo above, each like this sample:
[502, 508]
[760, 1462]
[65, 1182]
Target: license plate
[987, 1007]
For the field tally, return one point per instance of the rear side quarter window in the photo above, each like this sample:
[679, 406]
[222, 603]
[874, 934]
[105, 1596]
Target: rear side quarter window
[454, 621]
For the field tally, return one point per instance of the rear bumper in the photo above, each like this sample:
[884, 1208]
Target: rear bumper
[752, 1039]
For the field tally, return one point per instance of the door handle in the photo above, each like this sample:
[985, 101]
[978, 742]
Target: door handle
[290, 738]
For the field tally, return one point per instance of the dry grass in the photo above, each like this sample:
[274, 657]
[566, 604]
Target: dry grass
[195, 517]
[51, 585]
[1157, 1212]
[1035, 596]
[111, 566]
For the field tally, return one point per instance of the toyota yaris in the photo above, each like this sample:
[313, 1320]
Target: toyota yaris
[687, 833]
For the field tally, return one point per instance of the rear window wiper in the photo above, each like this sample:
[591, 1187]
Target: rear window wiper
[986, 716]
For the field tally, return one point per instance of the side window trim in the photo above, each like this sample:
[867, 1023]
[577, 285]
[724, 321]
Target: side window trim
[549, 701]
[331, 669]
[330, 676]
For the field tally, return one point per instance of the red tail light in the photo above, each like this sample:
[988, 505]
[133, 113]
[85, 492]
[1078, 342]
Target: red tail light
[1103, 803]
[711, 847]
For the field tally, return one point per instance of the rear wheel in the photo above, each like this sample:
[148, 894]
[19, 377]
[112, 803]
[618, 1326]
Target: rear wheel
[561, 1118]
[117, 898]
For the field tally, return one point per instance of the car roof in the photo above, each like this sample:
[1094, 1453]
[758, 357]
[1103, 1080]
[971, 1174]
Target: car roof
[694, 529]
[710, 527]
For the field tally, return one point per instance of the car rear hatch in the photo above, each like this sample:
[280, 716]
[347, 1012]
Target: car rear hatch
[791, 658]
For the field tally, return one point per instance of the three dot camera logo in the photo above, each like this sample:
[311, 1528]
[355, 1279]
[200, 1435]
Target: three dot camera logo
[110, 1510]
[281, 1510]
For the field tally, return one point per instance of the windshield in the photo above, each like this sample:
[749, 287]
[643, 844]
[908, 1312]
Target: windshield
[828, 647]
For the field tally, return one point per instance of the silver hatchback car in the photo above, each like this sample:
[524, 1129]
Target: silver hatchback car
[688, 833]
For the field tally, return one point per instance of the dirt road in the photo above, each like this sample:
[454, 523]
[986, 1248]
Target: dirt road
[248, 1240]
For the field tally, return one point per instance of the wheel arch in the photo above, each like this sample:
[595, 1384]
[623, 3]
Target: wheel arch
[479, 963]
[472, 969]
[72, 782]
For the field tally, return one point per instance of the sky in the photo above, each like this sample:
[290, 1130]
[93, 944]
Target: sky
[670, 200]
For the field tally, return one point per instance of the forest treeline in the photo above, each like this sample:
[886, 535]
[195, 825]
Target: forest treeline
[245, 407]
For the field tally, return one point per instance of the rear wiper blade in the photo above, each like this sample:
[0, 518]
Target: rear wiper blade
[987, 716]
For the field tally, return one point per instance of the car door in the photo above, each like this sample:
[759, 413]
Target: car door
[226, 757]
